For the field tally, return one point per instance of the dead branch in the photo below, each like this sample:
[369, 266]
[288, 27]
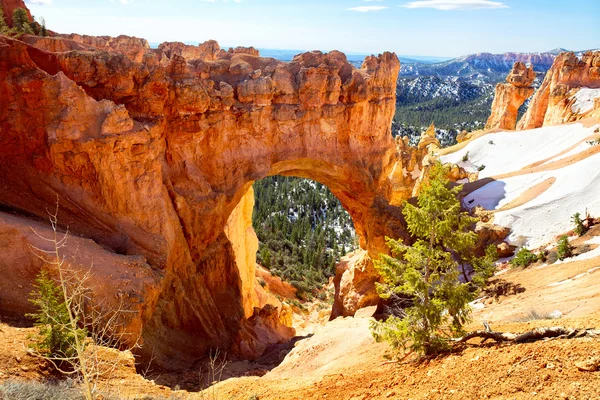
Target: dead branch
[530, 336]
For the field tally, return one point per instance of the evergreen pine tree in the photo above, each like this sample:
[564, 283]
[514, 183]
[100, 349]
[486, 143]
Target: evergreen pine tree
[21, 21]
[56, 340]
[428, 271]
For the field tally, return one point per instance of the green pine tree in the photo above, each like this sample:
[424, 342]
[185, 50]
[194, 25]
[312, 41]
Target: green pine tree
[578, 228]
[55, 339]
[21, 21]
[428, 271]
[564, 249]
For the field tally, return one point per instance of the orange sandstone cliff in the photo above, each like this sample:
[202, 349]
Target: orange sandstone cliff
[510, 96]
[152, 154]
[570, 82]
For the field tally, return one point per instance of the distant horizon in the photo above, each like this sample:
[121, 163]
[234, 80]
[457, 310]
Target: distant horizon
[349, 54]
[442, 29]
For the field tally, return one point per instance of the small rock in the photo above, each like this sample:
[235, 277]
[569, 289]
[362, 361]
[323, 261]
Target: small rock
[556, 314]
[591, 365]
[24, 368]
[18, 358]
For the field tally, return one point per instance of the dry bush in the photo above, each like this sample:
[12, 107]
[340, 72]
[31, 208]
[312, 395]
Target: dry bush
[90, 326]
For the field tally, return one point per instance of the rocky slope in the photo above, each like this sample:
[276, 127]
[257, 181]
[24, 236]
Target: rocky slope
[150, 153]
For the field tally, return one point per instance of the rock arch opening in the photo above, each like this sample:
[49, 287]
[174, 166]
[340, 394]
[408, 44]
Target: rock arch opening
[302, 229]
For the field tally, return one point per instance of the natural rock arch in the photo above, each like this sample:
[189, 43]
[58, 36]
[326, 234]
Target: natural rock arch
[152, 157]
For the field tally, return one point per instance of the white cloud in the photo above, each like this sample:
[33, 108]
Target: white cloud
[367, 8]
[455, 4]
[42, 2]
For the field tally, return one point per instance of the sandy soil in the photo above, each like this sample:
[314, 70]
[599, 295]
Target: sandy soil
[341, 361]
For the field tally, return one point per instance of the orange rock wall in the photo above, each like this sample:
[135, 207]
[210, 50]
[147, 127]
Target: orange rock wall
[551, 103]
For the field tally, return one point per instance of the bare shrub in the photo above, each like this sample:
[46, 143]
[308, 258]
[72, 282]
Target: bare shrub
[87, 325]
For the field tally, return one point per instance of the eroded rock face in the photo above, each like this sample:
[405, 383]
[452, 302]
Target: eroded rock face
[153, 158]
[24, 244]
[204, 51]
[9, 6]
[553, 102]
[510, 96]
[134, 48]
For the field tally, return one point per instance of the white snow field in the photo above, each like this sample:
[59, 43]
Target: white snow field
[569, 182]
[584, 100]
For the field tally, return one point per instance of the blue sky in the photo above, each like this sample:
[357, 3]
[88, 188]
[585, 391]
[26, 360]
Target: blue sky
[425, 27]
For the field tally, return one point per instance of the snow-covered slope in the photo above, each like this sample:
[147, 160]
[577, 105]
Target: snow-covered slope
[539, 178]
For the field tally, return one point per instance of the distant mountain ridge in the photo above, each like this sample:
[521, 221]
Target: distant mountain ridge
[483, 67]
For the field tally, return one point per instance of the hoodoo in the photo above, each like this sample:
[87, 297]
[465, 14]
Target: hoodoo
[564, 89]
[510, 96]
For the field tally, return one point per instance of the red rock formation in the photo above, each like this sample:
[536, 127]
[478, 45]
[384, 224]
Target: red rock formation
[204, 51]
[353, 284]
[54, 44]
[134, 48]
[510, 96]
[9, 6]
[152, 158]
[552, 102]
[22, 242]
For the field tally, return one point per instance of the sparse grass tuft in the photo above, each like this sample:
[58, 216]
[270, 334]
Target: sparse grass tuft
[33, 390]
[532, 315]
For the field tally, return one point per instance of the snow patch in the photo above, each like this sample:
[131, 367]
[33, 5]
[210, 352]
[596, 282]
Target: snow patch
[584, 100]
[540, 219]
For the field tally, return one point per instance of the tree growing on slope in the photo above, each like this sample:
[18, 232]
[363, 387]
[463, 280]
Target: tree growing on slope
[21, 21]
[564, 249]
[71, 327]
[428, 271]
[579, 228]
